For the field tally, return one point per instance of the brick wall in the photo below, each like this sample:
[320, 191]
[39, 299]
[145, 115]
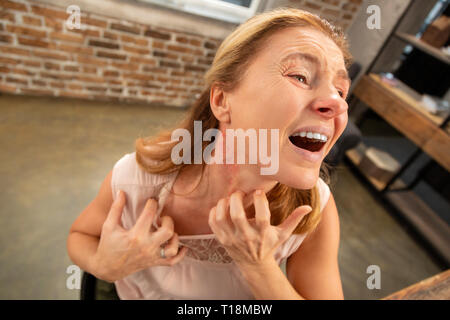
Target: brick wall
[339, 12]
[108, 58]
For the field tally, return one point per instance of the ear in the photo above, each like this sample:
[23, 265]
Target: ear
[218, 103]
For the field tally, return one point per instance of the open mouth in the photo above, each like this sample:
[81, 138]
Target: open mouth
[312, 142]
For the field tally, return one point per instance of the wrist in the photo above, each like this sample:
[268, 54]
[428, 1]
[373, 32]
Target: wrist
[261, 269]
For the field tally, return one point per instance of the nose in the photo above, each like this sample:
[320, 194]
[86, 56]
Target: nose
[329, 103]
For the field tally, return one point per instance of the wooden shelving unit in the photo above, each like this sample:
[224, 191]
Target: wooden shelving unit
[400, 106]
[425, 47]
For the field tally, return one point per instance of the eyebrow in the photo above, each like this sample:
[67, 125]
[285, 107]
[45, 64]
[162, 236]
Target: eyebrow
[342, 73]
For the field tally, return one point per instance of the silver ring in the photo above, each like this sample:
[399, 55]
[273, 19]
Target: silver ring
[162, 253]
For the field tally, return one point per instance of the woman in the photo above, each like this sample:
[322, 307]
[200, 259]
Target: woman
[284, 71]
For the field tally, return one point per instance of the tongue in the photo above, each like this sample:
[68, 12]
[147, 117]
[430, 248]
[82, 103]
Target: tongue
[306, 143]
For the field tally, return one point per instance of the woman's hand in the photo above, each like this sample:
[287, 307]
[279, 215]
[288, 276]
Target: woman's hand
[122, 252]
[251, 242]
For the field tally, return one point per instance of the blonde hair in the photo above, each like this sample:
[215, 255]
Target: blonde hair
[232, 57]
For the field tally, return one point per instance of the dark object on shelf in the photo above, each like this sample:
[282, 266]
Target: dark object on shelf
[437, 32]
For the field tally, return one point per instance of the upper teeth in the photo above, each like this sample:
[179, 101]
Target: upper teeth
[311, 135]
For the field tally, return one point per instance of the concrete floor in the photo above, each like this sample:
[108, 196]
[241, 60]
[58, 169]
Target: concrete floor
[56, 152]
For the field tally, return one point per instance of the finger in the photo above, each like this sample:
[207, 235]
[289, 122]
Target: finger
[288, 226]
[171, 248]
[262, 211]
[165, 232]
[114, 217]
[175, 259]
[221, 216]
[237, 213]
[212, 221]
[145, 220]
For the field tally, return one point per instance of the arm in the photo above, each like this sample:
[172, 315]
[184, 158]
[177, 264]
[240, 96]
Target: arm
[313, 269]
[84, 234]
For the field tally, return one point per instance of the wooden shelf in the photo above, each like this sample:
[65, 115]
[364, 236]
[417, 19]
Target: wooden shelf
[355, 156]
[425, 47]
[405, 114]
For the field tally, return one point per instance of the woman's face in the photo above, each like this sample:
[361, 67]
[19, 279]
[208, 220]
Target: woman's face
[296, 83]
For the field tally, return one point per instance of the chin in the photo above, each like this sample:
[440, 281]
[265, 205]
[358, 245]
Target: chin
[298, 177]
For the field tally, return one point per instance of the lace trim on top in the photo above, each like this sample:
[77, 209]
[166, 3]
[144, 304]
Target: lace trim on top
[206, 250]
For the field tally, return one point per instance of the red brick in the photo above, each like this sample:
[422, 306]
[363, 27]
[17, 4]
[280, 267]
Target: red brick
[58, 85]
[14, 50]
[89, 79]
[125, 65]
[87, 32]
[165, 55]
[51, 66]
[7, 88]
[179, 49]
[33, 42]
[87, 69]
[66, 37]
[74, 86]
[31, 21]
[137, 41]
[58, 76]
[312, 5]
[110, 35]
[91, 60]
[26, 31]
[13, 5]
[169, 64]
[4, 69]
[51, 13]
[156, 34]
[143, 60]
[93, 22]
[29, 63]
[110, 73]
[5, 38]
[53, 23]
[138, 76]
[50, 55]
[39, 83]
[194, 68]
[71, 68]
[195, 42]
[16, 80]
[111, 55]
[78, 49]
[103, 44]
[7, 16]
[154, 69]
[125, 28]
[136, 50]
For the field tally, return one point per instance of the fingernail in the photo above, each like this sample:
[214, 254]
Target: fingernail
[258, 192]
[117, 194]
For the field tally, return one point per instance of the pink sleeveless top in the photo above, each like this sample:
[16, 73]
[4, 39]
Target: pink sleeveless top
[206, 272]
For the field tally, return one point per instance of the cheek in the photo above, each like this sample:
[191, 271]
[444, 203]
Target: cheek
[340, 123]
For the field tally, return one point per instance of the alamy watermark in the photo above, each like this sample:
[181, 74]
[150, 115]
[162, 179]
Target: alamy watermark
[257, 148]
[374, 280]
